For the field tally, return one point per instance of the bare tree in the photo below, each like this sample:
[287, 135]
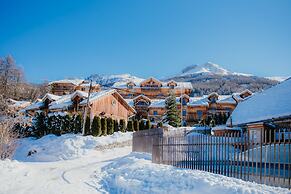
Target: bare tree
[7, 139]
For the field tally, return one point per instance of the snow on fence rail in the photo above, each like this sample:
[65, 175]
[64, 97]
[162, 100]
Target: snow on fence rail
[232, 155]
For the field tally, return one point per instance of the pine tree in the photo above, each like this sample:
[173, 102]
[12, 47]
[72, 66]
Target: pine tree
[104, 126]
[96, 126]
[122, 125]
[130, 126]
[40, 125]
[116, 127]
[172, 114]
[136, 125]
[141, 125]
[87, 126]
[78, 124]
[110, 126]
[148, 124]
[160, 124]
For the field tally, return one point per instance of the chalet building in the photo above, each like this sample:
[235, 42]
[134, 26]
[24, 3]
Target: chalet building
[107, 103]
[153, 88]
[192, 109]
[65, 87]
[270, 109]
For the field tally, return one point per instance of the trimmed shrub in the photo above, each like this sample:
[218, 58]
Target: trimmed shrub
[122, 125]
[130, 126]
[141, 125]
[110, 126]
[87, 126]
[96, 126]
[104, 126]
[136, 125]
[148, 124]
[116, 127]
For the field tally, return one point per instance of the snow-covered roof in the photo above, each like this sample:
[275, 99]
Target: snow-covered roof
[224, 127]
[63, 103]
[226, 99]
[35, 106]
[186, 85]
[71, 81]
[157, 103]
[198, 101]
[80, 94]
[96, 95]
[272, 103]
[18, 104]
[51, 97]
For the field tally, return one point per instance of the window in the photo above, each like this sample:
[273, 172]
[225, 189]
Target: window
[184, 102]
[184, 112]
[130, 86]
[172, 86]
[199, 114]
[130, 95]
[141, 103]
[155, 112]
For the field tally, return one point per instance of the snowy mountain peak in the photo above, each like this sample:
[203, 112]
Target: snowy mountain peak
[110, 80]
[209, 68]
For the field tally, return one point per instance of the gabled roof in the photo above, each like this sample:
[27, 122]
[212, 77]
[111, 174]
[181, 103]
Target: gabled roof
[71, 81]
[143, 97]
[97, 95]
[272, 103]
[79, 93]
[172, 81]
[149, 79]
[51, 97]
[35, 106]
[61, 104]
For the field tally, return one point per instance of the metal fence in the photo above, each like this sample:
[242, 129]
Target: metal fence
[264, 159]
[143, 141]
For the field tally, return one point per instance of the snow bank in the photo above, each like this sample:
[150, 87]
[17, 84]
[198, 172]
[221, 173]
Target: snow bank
[69, 146]
[136, 174]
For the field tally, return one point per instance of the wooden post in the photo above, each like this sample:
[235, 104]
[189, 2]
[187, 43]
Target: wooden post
[86, 108]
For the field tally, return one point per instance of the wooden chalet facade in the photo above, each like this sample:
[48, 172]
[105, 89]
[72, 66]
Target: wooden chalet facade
[154, 89]
[264, 112]
[107, 103]
[192, 109]
[65, 87]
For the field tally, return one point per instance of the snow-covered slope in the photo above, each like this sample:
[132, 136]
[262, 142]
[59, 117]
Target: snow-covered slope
[277, 78]
[209, 68]
[136, 173]
[66, 147]
[110, 80]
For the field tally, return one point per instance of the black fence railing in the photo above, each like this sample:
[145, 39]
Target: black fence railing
[262, 158]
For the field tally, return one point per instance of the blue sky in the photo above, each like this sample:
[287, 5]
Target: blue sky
[75, 38]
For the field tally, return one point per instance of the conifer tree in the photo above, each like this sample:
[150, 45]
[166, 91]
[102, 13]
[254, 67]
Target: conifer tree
[122, 125]
[40, 125]
[78, 124]
[110, 126]
[96, 126]
[104, 126]
[116, 127]
[87, 126]
[148, 124]
[160, 124]
[172, 115]
[141, 125]
[136, 125]
[130, 125]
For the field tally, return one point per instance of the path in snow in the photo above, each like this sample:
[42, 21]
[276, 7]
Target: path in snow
[69, 176]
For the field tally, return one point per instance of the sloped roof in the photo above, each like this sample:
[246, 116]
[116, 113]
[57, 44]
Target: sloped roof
[97, 95]
[35, 106]
[51, 97]
[63, 103]
[272, 103]
[71, 81]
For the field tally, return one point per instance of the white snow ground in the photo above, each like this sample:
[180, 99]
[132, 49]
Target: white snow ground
[71, 164]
